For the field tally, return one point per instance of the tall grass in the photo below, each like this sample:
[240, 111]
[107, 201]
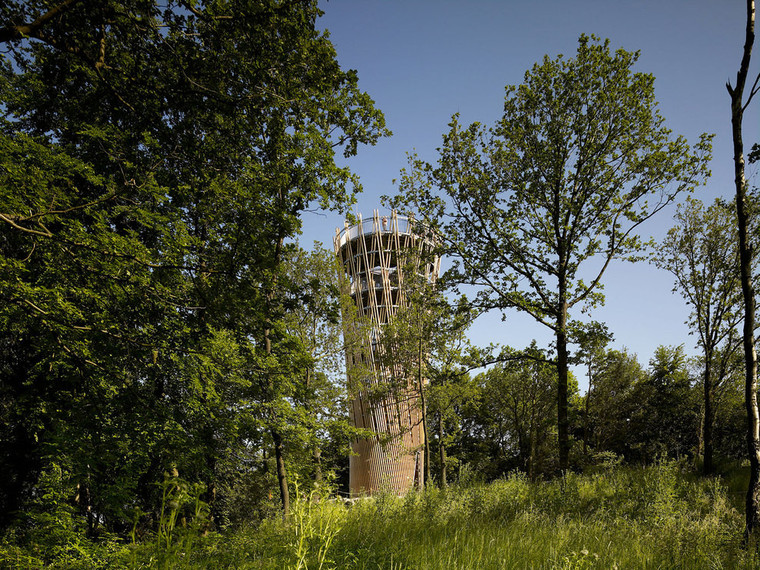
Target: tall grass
[653, 517]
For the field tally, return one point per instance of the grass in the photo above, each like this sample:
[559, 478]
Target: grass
[654, 517]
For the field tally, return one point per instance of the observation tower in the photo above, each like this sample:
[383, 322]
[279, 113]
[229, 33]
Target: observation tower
[374, 256]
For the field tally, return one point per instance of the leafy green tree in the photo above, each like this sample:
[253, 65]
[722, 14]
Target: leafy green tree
[424, 345]
[534, 209]
[512, 416]
[616, 376]
[730, 417]
[591, 339]
[665, 421]
[701, 251]
[312, 319]
[448, 394]
[156, 158]
[450, 384]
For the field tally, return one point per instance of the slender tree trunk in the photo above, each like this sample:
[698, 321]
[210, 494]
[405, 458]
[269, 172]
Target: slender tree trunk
[423, 403]
[707, 421]
[279, 456]
[586, 411]
[532, 436]
[752, 514]
[282, 473]
[701, 436]
[316, 453]
[442, 451]
[563, 424]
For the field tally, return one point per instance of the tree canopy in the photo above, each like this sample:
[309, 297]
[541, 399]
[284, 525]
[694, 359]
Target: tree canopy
[533, 209]
[155, 159]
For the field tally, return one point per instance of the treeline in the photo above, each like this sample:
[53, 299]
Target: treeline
[632, 414]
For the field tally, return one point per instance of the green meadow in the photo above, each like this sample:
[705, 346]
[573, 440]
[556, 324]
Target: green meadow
[661, 516]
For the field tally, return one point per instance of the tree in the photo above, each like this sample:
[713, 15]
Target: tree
[450, 390]
[533, 210]
[591, 338]
[512, 415]
[423, 345]
[730, 415]
[617, 376]
[312, 320]
[702, 253]
[743, 220]
[665, 420]
[156, 159]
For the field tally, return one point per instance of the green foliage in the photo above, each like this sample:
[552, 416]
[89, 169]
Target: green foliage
[666, 420]
[155, 159]
[511, 420]
[424, 346]
[624, 517]
[578, 161]
[702, 252]
[51, 533]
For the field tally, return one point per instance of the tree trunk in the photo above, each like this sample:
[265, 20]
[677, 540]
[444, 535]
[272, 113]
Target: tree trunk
[707, 422]
[532, 437]
[282, 474]
[563, 425]
[752, 514]
[442, 451]
[701, 436]
[316, 453]
[423, 403]
[586, 411]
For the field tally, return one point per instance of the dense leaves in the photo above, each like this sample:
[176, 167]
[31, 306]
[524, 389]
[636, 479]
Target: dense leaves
[154, 162]
[171, 359]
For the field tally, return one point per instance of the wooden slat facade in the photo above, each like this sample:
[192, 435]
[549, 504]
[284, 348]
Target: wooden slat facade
[373, 256]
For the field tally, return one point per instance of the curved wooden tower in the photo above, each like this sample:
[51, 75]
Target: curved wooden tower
[374, 256]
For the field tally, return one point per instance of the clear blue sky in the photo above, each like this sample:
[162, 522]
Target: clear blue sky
[423, 60]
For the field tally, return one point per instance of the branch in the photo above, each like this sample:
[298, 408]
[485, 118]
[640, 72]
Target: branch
[752, 92]
[12, 33]
[193, 10]
[11, 220]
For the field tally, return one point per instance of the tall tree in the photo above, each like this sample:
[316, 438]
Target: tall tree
[318, 395]
[701, 251]
[156, 158]
[513, 414]
[743, 219]
[423, 343]
[533, 210]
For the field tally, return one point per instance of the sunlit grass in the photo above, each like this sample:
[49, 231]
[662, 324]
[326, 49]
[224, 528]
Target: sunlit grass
[655, 517]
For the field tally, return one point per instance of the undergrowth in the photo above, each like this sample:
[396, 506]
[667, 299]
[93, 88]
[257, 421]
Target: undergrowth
[651, 517]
